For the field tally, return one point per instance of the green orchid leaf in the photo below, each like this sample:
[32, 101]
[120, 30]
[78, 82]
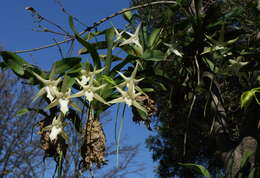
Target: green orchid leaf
[109, 39]
[70, 65]
[3, 65]
[88, 46]
[245, 158]
[14, 61]
[119, 66]
[109, 79]
[97, 45]
[153, 39]
[252, 173]
[198, 168]
[92, 50]
[72, 26]
[153, 55]
[147, 90]
[67, 83]
[246, 98]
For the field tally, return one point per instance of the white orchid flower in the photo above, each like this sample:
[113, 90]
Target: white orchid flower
[118, 35]
[134, 38]
[89, 91]
[56, 129]
[128, 97]
[63, 100]
[130, 82]
[87, 75]
[50, 87]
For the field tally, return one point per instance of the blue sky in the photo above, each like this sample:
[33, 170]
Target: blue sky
[16, 34]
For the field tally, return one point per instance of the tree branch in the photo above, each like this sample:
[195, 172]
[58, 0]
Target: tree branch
[97, 24]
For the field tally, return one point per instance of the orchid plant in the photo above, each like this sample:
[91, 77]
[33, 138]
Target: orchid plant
[95, 85]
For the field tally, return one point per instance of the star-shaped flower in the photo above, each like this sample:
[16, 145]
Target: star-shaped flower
[89, 91]
[50, 87]
[130, 82]
[56, 129]
[128, 97]
[118, 35]
[63, 100]
[134, 38]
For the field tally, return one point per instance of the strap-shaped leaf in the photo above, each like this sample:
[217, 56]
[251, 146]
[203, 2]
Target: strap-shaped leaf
[70, 65]
[88, 46]
[109, 39]
[198, 168]
[154, 38]
[67, 83]
[97, 45]
[14, 61]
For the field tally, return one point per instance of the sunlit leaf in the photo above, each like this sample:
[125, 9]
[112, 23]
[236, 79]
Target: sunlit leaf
[198, 168]
[154, 38]
[13, 61]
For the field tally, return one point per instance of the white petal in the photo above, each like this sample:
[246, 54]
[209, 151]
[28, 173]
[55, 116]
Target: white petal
[49, 95]
[64, 105]
[55, 131]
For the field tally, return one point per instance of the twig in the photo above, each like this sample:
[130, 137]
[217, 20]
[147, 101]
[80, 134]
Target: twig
[97, 24]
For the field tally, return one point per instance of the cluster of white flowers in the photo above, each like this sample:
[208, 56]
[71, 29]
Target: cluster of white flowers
[90, 88]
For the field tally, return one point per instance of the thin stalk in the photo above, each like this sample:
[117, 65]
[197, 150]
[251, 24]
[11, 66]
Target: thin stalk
[119, 135]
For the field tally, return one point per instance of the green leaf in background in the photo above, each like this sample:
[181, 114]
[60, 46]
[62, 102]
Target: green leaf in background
[245, 158]
[109, 79]
[72, 26]
[88, 46]
[153, 39]
[97, 45]
[14, 61]
[67, 83]
[92, 50]
[71, 65]
[198, 168]
[153, 55]
[109, 39]
[3, 65]
[246, 98]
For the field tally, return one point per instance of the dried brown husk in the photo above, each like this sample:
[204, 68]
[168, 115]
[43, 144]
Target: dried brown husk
[149, 105]
[93, 148]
